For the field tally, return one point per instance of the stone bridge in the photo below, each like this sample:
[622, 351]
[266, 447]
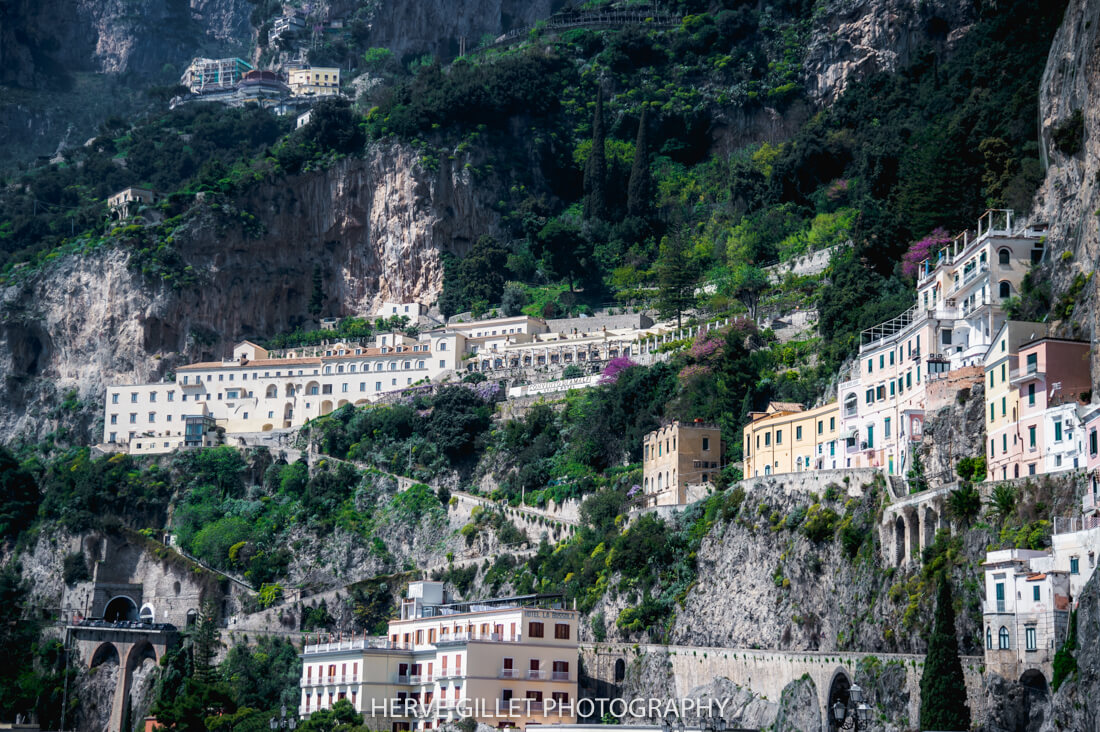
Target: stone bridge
[124, 642]
[910, 523]
[765, 673]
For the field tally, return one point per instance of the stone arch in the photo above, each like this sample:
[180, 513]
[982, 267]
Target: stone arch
[272, 392]
[620, 670]
[192, 617]
[361, 402]
[929, 525]
[341, 403]
[839, 685]
[899, 540]
[1033, 680]
[326, 407]
[289, 390]
[912, 535]
[147, 614]
[120, 608]
[138, 653]
[104, 653]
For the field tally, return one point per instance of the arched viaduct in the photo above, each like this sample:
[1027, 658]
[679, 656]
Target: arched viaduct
[122, 638]
[765, 673]
[910, 523]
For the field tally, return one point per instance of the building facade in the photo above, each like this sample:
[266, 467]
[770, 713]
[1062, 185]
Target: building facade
[507, 663]
[316, 82]
[206, 75]
[677, 458]
[787, 438]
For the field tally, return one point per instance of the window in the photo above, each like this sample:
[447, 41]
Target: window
[534, 629]
[1029, 636]
[881, 360]
[991, 384]
[892, 392]
[114, 419]
[832, 423]
[1002, 257]
[1035, 593]
[870, 436]
[1074, 565]
[870, 366]
[1057, 430]
[561, 631]
[992, 448]
[798, 432]
[706, 444]
[1004, 290]
[767, 441]
[114, 399]
[171, 396]
[1092, 441]
[133, 397]
[870, 396]
[886, 429]
[1031, 436]
[989, 639]
[891, 358]
[1031, 395]
[779, 437]
[1002, 639]
[1004, 407]
[1000, 592]
[945, 337]
[1032, 363]
[133, 418]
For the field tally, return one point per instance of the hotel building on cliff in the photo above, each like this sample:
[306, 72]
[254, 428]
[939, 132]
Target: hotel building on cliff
[507, 662]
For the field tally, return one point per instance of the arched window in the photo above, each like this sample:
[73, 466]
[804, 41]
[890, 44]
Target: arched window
[989, 639]
[660, 481]
[1003, 257]
[1004, 289]
[1002, 639]
[799, 462]
[767, 470]
[620, 670]
[272, 392]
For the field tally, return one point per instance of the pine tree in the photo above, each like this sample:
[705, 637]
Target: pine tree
[640, 190]
[676, 277]
[595, 172]
[942, 688]
[317, 297]
[206, 642]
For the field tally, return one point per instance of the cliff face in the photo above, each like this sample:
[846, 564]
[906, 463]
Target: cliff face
[374, 225]
[853, 38]
[1070, 195]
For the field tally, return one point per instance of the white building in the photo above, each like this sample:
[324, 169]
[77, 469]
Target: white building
[504, 662]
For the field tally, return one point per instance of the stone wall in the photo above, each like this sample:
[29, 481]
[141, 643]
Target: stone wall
[814, 481]
[766, 673]
[637, 321]
[944, 392]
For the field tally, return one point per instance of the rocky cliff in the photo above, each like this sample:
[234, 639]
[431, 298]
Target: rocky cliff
[1076, 704]
[1070, 195]
[374, 225]
[853, 38]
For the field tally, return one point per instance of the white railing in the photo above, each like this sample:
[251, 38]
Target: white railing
[536, 674]
[1075, 523]
[355, 645]
[560, 676]
[508, 673]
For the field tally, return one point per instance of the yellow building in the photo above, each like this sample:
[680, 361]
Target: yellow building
[678, 458]
[787, 438]
[317, 82]
[503, 662]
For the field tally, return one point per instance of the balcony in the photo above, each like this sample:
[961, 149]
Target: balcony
[536, 674]
[1090, 503]
[1024, 375]
[509, 673]
[559, 676]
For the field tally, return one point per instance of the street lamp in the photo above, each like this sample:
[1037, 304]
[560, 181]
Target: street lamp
[850, 715]
[282, 722]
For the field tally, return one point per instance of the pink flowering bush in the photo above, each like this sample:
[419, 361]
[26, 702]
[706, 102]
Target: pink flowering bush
[926, 248]
[615, 367]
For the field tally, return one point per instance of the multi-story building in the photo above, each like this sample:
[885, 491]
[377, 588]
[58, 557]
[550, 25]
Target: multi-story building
[787, 438]
[206, 75]
[1051, 381]
[1025, 613]
[960, 293]
[316, 82]
[126, 202]
[506, 662]
[1091, 500]
[1002, 397]
[257, 390]
[677, 460]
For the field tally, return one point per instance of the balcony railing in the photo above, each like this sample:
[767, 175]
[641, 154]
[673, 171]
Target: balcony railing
[509, 673]
[1089, 503]
[536, 674]
[559, 676]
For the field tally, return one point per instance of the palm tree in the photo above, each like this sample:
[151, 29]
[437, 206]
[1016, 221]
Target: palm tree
[1002, 502]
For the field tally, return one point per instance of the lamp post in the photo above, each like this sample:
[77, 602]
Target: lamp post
[850, 715]
[282, 722]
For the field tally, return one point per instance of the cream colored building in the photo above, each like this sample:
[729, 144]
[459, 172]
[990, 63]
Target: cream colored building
[126, 202]
[678, 458]
[318, 82]
[787, 438]
[504, 662]
[1004, 444]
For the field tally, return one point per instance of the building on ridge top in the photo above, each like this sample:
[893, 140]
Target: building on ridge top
[680, 462]
[505, 662]
[788, 438]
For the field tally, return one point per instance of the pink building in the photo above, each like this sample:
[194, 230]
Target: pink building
[1050, 382]
[1091, 420]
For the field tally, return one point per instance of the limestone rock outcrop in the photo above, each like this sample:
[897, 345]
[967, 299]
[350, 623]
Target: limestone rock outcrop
[853, 38]
[376, 226]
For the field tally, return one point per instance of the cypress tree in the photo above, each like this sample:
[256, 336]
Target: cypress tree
[595, 172]
[942, 688]
[637, 197]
